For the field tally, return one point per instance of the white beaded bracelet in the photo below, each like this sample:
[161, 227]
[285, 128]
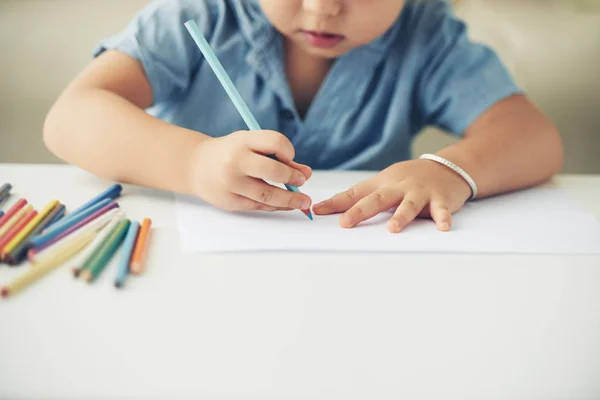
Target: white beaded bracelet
[455, 168]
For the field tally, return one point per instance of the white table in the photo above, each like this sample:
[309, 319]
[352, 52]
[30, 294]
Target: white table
[301, 326]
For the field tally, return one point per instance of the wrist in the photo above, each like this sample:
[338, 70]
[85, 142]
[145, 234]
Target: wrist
[464, 182]
[194, 160]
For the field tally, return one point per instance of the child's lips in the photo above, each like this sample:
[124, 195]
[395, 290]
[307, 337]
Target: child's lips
[323, 40]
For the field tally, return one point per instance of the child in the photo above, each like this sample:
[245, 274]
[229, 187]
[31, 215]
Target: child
[339, 84]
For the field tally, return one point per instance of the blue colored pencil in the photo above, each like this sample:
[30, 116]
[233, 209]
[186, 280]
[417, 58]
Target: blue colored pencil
[126, 253]
[66, 220]
[111, 193]
[66, 223]
[229, 87]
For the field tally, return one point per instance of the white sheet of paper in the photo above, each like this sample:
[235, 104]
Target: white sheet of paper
[534, 221]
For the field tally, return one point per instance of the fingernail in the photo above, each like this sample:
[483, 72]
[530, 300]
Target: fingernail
[445, 226]
[345, 220]
[305, 204]
[394, 226]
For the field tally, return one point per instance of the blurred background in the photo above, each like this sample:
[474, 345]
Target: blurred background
[551, 47]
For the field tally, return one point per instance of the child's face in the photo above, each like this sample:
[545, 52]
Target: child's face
[329, 28]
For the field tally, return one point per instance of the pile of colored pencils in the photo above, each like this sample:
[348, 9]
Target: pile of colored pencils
[86, 239]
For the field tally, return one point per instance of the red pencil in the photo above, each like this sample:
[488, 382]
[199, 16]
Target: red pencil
[12, 232]
[12, 211]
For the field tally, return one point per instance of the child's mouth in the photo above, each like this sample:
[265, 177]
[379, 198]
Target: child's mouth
[323, 40]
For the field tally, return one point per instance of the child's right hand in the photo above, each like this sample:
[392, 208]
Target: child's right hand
[229, 172]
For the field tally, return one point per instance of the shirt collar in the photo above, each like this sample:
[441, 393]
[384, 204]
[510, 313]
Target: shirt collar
[265, 55]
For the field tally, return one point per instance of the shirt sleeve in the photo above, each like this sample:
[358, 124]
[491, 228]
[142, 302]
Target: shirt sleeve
[158, 39]
[459, 79]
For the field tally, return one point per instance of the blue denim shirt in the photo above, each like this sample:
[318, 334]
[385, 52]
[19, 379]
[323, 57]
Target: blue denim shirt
[424, 71]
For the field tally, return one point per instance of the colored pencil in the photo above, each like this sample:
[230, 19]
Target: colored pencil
[5, 192]
[68, 250]
[16, 228]
[95, 225]
[229, 87]
[111, 193]
[79, 263]
[126, 254]
[20, 252]
[52, 252]
[85, 221]
[139, 252]
[13, 220]
[11, 212]
[68, 219]
[26, 231]
[1, 213]
[105, 253]
[56, 218]
[68, 222]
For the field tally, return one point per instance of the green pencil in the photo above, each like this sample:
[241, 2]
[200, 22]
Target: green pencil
[97, 263]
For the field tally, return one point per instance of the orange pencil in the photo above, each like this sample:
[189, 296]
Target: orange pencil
[17, 227]
[137, 261]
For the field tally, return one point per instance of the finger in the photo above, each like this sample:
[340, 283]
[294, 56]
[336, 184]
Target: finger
[407, 211]
[241, 203]
[369, 206]
[271, 143]
[261, 167]
[441, 215]
[262, 192]
[343, 201]
[305, 169]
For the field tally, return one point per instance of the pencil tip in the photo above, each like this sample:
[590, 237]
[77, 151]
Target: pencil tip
[4, 292]
[308, 214]
[118, 285]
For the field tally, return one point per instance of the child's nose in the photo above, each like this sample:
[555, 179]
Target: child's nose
[329, 8]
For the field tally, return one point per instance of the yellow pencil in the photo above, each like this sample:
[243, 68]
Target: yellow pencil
[68, 250]
[15, 219]
[10, 246]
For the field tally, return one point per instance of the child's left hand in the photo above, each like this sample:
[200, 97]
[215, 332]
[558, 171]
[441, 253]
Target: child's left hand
[415, 188]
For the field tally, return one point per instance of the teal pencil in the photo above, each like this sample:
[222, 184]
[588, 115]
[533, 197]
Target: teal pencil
[126, 252]
[230, 88]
